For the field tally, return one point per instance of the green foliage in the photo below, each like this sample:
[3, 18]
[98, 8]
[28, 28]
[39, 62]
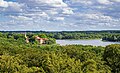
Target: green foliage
[112, 57]
[89, 66]
[12, 64]
[16, 56]
[42, 35]
[115, 38]
[50, 41]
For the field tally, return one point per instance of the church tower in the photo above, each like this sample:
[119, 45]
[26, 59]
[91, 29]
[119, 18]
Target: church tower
[27, 39]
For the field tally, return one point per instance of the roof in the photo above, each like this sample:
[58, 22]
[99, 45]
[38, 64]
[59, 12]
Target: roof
[38, 38]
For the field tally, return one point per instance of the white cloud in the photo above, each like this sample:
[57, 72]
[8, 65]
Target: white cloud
[59, 18]
[15, 6]
[115, 0]
[67, 11]
[54, 3]
[86, 2]
[104, 2]
[80, 14]
[21, 18]
[52, 11]
[37, 15]
[91, 2]
[98, 20]
[41, 14]
[50, 8]
[10, 6]
[3, 3]
[98, 17]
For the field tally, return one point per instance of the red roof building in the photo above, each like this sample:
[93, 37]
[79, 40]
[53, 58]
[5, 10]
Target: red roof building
[40, 40]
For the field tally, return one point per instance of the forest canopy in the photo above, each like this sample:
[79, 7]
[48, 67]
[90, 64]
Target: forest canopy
[17, 56]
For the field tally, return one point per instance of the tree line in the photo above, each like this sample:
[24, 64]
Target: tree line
[114, 38]
[104, 35]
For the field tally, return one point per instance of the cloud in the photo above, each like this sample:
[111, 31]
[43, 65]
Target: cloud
[104, 2]
[46, 9]
[86, 2]
[115, 0]
[21, 18]
[3, 3]
[10, 7]
[45, 5]
[59, 18]
[67, 11]
[93, 2]
[37, 15]
[35, 3]
[60, 14]
[98, 16]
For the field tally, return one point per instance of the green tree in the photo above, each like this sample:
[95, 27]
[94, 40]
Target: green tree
[89, 66]
[112, 57]
[50, 41]
[42, 35]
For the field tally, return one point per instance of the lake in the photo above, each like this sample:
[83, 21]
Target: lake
[95, 42]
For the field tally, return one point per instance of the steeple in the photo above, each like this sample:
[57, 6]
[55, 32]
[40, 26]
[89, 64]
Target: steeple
[27, 39]
[25, 35]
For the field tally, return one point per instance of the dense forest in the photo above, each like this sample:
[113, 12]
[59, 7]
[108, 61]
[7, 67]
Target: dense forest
[17, 56]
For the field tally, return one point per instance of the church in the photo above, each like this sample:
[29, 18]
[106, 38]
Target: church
[40, 40]
[37, 38]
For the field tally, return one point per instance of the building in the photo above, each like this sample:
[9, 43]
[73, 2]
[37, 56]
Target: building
[27, 39]
[40, 40]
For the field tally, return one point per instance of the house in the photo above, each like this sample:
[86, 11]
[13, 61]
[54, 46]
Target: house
[40, 40]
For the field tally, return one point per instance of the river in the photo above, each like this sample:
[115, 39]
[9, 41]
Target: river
[95, 42]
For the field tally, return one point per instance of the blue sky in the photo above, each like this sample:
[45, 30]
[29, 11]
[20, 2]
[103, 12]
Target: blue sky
[60, 15]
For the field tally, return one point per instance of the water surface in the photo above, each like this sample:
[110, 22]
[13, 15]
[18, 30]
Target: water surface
[95, 42]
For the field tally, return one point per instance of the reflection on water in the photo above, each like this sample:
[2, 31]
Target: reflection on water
[96, 42]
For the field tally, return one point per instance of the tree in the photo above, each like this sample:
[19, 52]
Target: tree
[50, 41]
[11, 64]
[42, 35]
[112, 57]
[89, 66]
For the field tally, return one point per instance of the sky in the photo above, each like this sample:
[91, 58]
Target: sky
[59, 15]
